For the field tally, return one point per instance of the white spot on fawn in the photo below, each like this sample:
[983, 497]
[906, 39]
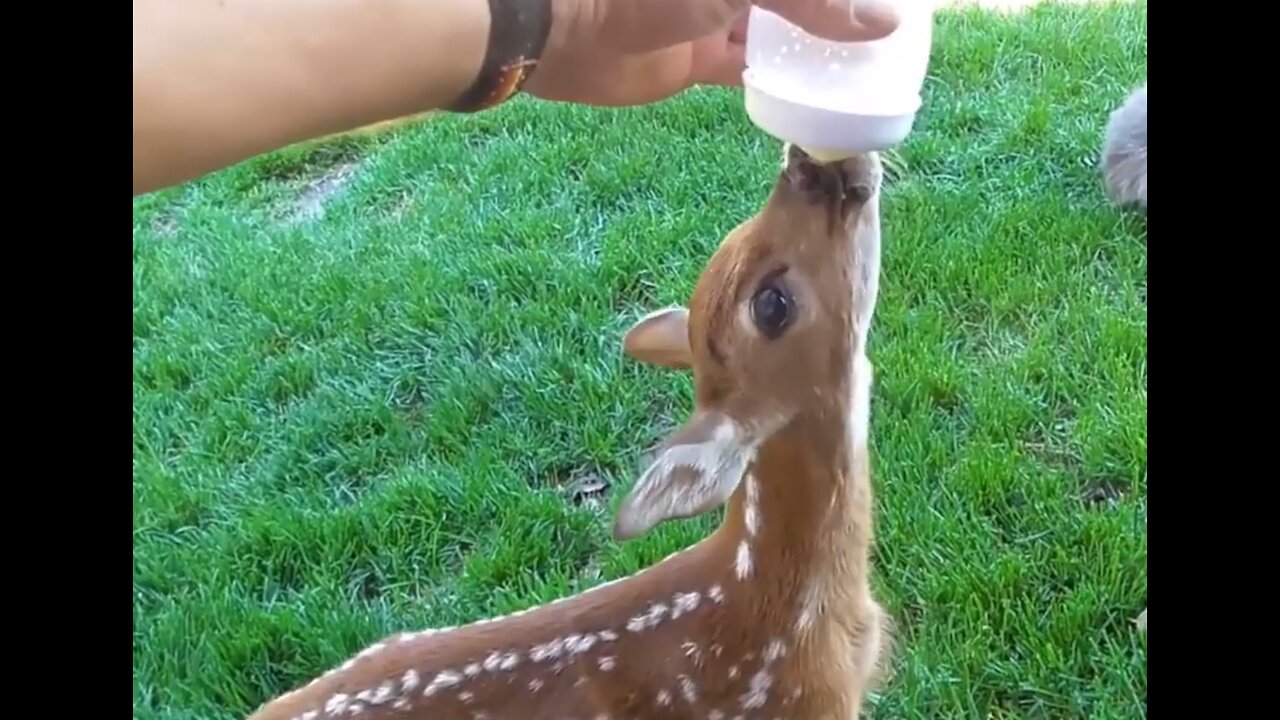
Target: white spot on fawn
[648, 619]
[753, 506]
[535, 684]
[688, 689]
[757, 691]
[607, 663]
[466, 697]
[716, 594]
[804, 621]
[664, 698]
[578, 644]
[692, 651]
[684, 603]
[733, 672]
[774, 651]
[410, 679]
[810, 605]
[608, 635]
[715, 715]
[742, 563]
[336, 704]
[547, 651]
[446, 679]
[383, 694]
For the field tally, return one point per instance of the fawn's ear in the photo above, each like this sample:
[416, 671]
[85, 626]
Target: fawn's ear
[695, 471]
[661, 338]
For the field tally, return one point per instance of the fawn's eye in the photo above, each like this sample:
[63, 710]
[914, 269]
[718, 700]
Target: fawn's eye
[771, 310]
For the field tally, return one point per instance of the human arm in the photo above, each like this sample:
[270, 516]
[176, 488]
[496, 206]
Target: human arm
[217, 81]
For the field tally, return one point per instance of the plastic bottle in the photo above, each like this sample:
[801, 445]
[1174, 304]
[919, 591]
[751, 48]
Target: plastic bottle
[836, 99]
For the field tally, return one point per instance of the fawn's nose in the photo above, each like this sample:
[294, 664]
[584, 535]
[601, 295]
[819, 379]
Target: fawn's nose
[851, 181]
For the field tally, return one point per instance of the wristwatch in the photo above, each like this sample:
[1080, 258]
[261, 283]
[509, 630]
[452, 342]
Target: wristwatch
[518, 31]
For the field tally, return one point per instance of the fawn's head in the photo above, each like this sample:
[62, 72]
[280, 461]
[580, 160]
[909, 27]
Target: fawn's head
[771, 333]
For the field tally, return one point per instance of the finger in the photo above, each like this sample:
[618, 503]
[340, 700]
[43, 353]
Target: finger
[631, 26]
[720, 65]
[838, 20]
[738, 30]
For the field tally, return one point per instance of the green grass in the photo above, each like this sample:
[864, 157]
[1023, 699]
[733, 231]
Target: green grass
[371, 419]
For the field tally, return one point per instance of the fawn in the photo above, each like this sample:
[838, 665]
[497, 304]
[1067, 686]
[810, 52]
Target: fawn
[771, 616]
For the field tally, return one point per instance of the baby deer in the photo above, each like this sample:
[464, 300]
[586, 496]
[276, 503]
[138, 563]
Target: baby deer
[769, 617]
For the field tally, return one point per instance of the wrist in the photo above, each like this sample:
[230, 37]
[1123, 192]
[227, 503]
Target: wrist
[519, 33]
[565, 21]
[571, 21]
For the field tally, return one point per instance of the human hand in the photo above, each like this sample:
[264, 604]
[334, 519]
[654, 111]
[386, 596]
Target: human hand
[632, 52]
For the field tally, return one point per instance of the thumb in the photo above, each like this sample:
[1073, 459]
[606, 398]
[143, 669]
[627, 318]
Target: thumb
[719, 61]
[642, 25]
[838, 20]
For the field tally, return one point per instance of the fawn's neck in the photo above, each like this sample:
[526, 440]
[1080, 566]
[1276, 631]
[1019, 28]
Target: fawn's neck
[802, 517]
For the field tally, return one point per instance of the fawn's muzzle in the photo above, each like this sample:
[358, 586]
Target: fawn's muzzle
[841, 184]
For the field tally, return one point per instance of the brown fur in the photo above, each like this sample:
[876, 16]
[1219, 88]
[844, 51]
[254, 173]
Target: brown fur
[779, 433]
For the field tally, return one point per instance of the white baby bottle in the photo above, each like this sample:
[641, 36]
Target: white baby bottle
[834, 99]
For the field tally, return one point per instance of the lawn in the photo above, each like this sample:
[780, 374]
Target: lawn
[377, 382]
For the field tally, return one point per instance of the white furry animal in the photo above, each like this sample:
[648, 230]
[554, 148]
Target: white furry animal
[1124, 171]
[1124, 151]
